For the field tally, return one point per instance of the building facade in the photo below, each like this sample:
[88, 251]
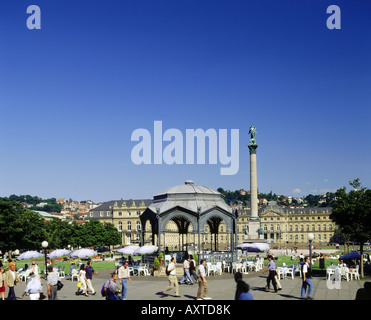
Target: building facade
[289, 227]
[283, 227]
[124, 215]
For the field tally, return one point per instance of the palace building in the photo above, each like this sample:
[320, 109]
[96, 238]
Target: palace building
[287, 227]
[183, 209]
[124, 215]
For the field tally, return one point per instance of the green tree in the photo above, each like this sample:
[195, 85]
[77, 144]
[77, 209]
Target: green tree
[20, 228]
[352, 213]
[58, 233]
[94, 233]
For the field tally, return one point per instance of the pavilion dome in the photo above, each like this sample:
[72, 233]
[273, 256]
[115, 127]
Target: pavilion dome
[188, 188]
[188, 196]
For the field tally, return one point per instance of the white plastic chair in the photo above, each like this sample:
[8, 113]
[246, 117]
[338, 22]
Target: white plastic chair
[290, 271]
[345, 273]
[144, 270]
[329, 272]
[226, 266]
[251, 266]
[210, 268]
[280, 273]
[244, 268]
[239, 267]
[297, 269]
[131, 270]
[74, 274]
[61, 272]
[354, 273]
[218, 268]
[234, 267]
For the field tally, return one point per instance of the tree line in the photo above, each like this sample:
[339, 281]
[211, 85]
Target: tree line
[24, 229]
[235, 197]
[51, 206]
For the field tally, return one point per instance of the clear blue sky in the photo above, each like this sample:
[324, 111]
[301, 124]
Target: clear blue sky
[72, 93]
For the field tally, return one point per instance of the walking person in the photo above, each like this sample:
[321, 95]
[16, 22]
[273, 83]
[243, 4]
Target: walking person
[186, 274]
[109, 287]
[51, 283]
[202, 283]
[89, 277]
[82, 281]
[192, 268]
[11, 279]
[124, 275]
[272, 273]
[173, 282]
[242, 288]
[33, 288]
[307, 282]
[35, 269]
[2, 282]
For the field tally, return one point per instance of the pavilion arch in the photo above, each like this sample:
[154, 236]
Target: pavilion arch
[190, 205]
[213, 218]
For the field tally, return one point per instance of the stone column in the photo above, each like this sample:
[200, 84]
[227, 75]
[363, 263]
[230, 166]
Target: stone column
[254, 220]
[253, 182]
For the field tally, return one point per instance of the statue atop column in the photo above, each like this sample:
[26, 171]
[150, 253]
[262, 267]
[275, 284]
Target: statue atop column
[252, 143]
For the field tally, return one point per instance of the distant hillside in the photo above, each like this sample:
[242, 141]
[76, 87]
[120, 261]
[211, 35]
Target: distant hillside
[242, 197]
[37, 203]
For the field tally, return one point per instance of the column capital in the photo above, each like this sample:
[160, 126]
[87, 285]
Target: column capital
[252, 148]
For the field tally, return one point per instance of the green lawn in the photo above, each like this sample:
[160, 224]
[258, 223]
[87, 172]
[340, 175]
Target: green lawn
[97, 265]
[288, 261]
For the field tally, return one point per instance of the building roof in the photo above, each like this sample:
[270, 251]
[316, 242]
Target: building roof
[47, 215]
[188, 196]
[129, 203]
[188, 188]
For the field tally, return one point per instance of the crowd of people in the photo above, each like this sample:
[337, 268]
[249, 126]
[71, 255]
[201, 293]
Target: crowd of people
[116, 287]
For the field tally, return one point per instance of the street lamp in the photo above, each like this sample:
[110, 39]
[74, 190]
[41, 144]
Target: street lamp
[45, 245]
[310, 238]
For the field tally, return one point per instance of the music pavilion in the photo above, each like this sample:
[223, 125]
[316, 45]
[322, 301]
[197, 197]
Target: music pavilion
[195, 210]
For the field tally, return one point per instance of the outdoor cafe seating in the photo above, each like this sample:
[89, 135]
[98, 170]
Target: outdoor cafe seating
[338, 272]
[291, 270]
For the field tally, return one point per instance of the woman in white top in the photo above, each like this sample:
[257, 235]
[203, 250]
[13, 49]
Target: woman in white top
[82, 280]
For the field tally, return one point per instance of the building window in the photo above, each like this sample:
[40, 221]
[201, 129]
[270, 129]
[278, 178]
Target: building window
[120, 214]
[139, 226]
[129, 226]
[313, 227]
[120, 226]
[129, 213]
